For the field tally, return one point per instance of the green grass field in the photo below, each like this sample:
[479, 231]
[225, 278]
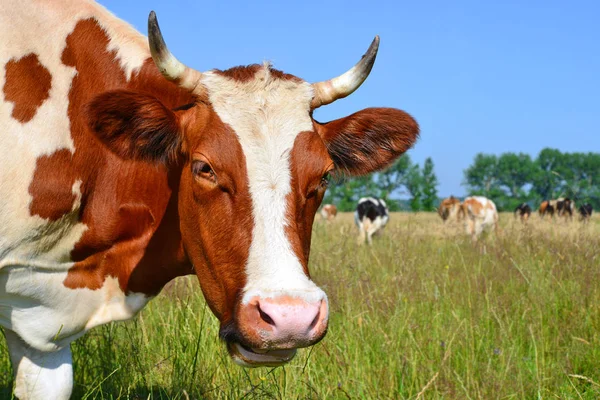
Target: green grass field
[423, 313]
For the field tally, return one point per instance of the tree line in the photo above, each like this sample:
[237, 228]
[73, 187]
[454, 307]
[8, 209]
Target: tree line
[403, 178]
[508, 179]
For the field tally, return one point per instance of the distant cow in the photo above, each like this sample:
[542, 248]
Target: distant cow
[547, 207]
[481, 215]
[328, 212]
[450, 209]
[585, 212]
[371, 216]
[565, 207]
[523, 211]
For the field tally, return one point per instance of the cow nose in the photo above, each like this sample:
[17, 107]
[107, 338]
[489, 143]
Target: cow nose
[284, 322]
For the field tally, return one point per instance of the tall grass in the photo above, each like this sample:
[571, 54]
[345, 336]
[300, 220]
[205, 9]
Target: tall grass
[423, 313]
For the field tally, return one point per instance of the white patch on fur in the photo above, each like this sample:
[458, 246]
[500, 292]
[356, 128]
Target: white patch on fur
[267, 114]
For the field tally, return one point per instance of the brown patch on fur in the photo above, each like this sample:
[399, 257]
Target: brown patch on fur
[472, 207]
[247, 73]
[51, 187]
[309, 161]
[27, 86]
[368, 140]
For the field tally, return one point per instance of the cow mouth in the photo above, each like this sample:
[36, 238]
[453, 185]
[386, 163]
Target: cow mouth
[248, 357]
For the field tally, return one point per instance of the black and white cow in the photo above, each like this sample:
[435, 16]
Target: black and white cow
[585, 212]
[565, 208]
[371, 216]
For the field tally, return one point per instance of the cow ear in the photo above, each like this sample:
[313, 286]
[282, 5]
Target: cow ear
[368, 140]
[135, 126]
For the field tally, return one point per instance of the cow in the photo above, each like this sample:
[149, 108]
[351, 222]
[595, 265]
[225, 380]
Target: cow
[371, 216]
[547, 207]
[565, 208]
[124, 168]
[523, 211]
[585, 212]
[450, 209]
[328, 212]
[480, 215]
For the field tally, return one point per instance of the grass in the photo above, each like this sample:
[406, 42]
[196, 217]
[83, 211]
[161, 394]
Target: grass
[422, 314]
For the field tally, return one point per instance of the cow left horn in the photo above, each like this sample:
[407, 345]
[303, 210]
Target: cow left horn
[341, 86]
[169, 66]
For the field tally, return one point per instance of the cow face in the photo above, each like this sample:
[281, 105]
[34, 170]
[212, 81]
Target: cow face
[254, 167]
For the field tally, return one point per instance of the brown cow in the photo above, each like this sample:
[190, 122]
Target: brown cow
[450, 209]
[124, 168]
[547, 207]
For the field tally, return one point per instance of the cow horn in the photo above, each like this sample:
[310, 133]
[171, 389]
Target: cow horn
[341, 86]
[169, 66]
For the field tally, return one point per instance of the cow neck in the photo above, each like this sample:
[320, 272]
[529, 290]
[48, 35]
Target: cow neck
[128, 206]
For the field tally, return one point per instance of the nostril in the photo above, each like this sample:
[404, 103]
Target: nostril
[314, 321]
[265, 317]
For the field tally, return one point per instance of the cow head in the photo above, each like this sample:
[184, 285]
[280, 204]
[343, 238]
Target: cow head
[254, 166]
[450, 209]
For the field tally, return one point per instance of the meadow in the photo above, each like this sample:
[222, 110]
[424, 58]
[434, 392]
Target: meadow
[421, 314]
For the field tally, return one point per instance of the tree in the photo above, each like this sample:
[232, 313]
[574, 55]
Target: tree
[345, 192]
[414, 185]
[429, 186]
[393, 178]
[547, 178]
[481, 176]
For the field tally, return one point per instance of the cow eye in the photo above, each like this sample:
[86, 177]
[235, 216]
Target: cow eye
[202, 169]
[325, 180]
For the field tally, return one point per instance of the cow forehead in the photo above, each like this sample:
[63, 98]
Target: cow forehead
[264, 108]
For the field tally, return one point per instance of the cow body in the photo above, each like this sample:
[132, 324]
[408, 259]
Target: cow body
[481, 215]
[565, 208]
[523, 211]
[371, 216]
[119, 176]
[328, 212]
[585, 212]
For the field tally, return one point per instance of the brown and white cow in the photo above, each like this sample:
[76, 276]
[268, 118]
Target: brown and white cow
[329, 212]
[122, 169]
[481, 215]
[450, 209]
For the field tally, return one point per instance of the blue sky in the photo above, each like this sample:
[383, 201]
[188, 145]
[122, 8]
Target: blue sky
[479, 76]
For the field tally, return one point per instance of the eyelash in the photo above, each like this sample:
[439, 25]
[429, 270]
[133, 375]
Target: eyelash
[203, 169]
[325, 180]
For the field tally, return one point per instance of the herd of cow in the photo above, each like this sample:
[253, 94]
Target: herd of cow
[477, 212]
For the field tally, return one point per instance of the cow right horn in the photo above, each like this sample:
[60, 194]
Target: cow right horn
[169, 66]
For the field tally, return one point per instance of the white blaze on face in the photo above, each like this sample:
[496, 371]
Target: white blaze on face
[267, 114]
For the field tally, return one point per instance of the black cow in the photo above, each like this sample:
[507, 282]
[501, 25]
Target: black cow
[371, 215]
[585, 212]
[524, 211]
